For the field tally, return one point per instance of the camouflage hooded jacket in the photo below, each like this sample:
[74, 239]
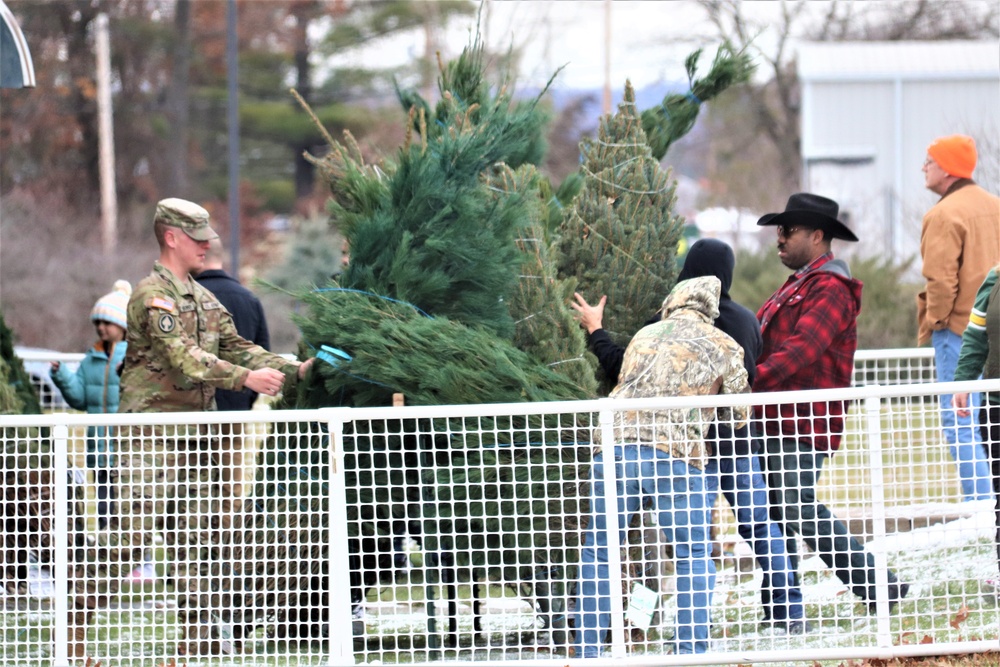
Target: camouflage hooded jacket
[681, 355]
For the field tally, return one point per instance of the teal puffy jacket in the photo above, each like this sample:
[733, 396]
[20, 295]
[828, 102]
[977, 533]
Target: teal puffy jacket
[94, 388]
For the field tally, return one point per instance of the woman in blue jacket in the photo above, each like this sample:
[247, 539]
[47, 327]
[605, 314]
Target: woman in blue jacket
[94, 387]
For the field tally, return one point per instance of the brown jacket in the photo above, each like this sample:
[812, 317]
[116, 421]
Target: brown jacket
[959, 244]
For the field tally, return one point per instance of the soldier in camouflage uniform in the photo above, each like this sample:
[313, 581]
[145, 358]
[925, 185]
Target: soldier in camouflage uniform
[183, 346]
[660, 456]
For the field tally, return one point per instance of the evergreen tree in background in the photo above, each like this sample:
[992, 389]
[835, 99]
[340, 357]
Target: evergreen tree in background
[17, 396]
[619, 238]
[312, 257]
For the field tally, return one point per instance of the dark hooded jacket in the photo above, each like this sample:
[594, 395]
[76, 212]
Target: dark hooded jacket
[707, 257]
[248, 316]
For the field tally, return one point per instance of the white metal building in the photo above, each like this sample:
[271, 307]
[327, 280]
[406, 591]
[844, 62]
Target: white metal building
[869, 111]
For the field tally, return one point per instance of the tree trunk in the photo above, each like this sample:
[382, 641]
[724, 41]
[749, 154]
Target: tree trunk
[304, 174]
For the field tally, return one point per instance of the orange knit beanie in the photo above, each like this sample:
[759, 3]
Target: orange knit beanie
[955, 154]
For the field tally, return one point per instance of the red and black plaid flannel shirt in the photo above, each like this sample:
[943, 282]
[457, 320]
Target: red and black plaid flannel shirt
[810, 336]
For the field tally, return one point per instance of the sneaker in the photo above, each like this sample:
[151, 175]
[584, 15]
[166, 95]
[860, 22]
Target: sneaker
[144, 574]
[896, 593]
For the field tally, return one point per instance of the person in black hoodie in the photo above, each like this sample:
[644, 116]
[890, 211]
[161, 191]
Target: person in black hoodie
[707, 257]
[248, 316]
[737, 466]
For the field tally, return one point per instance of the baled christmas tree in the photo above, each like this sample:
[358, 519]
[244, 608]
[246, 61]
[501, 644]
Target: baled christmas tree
[429, 306]
[415, 316]
[620, 236]
[450, 228]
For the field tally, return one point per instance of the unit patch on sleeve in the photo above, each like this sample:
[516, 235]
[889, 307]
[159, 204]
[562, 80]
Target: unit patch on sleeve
[166, 322]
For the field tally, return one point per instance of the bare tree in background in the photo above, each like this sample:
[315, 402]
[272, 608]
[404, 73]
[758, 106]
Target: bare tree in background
[760, 140]
[928, 20]
[771, 110]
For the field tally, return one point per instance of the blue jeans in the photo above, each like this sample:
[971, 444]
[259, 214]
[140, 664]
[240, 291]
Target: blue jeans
[745, 489]
[961, 432]
[680, 501]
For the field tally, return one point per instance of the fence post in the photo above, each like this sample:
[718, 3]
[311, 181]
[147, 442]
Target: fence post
[60, 543]
[341, 630]
[873, 427]
[606, 420]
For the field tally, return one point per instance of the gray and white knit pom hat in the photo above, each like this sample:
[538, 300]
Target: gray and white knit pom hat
[113, 307]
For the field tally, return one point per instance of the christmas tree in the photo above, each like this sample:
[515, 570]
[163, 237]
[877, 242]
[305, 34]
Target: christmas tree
[17, 394]
[619, 238]
[26, 474]
[675, 116]
[446, 275]
[453, 295]
[544, 327]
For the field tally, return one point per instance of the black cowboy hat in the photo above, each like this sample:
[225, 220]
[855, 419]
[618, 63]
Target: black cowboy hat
[811, 211]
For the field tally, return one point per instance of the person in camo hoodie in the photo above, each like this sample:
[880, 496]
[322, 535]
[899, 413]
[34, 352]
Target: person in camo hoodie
[94, 387]
[661, 456]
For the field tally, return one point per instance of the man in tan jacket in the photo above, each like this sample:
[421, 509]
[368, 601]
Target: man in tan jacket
[959, 244]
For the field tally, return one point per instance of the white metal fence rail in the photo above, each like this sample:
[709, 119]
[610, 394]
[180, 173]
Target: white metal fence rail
[429, 534]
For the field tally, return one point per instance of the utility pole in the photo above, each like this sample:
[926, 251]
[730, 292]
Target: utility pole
[105, 138]
[232, 70]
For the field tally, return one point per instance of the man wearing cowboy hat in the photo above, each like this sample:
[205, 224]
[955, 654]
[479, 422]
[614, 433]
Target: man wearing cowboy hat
[959, 244]
[809, 328]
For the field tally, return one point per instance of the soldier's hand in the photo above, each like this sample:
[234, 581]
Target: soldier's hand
[267, 381]
[305, 366]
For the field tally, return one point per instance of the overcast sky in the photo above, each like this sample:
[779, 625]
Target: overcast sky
[649, 40]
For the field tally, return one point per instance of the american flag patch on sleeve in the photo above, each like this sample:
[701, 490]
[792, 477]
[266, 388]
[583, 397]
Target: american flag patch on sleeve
[160, 302]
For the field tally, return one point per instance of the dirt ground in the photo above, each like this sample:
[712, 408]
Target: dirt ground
[991, 659]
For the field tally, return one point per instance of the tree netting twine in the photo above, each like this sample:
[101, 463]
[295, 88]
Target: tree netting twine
[622, 224]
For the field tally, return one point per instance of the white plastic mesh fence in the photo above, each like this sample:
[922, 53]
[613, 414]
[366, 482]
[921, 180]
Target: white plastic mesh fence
[894, 366]
[487, 534]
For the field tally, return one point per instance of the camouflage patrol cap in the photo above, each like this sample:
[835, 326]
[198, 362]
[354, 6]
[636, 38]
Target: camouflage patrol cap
[188, 216]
